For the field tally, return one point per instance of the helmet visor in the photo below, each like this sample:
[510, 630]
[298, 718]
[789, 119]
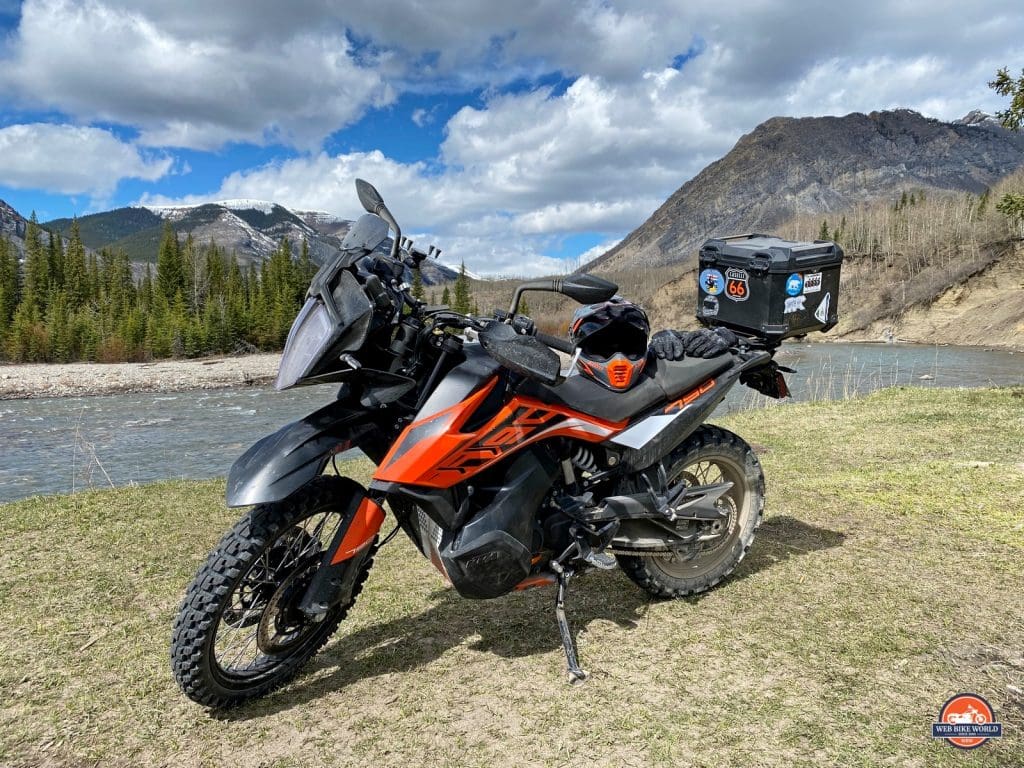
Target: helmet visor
[613, 328]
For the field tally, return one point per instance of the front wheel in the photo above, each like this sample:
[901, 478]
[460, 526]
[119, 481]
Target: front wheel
[709, 456]
[239, 632]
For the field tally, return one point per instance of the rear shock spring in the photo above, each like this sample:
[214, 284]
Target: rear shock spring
[584, 459]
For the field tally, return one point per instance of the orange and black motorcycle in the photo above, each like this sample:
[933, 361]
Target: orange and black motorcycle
[504, 472]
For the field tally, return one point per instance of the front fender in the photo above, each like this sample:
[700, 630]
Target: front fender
[283, 462]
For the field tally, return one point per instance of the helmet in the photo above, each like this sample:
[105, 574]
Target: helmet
[612, 338]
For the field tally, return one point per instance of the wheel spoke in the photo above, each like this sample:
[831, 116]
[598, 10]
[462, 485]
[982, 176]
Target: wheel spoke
[242, 651]
[249, 599]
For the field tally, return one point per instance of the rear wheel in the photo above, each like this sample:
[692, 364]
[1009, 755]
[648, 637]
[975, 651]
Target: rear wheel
[239, 633]
[709, 456]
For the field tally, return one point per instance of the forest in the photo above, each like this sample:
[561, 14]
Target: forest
[67, 303]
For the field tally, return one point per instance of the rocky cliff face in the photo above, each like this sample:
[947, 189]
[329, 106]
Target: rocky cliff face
[790, 166]
[12, 226]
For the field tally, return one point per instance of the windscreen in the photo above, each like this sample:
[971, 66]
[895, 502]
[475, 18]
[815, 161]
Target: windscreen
[368, 232]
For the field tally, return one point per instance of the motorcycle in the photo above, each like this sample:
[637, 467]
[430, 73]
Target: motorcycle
[504, 471]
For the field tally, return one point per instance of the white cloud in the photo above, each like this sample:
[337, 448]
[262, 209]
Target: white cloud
[525, 168]
[598, 250]
[72, 160]
[195, 84]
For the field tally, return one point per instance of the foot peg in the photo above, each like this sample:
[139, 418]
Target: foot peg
[602, 538]
[576, 675]
[601, 560]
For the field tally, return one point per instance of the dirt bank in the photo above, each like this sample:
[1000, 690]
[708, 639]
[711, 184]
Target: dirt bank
[20, 381]
[987, 310]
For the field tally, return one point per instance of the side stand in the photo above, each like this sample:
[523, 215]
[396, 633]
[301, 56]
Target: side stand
[576, 675]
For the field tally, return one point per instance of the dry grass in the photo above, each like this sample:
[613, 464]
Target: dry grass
[886, 578]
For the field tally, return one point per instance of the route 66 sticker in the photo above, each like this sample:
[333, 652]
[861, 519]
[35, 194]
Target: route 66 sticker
[736, 286]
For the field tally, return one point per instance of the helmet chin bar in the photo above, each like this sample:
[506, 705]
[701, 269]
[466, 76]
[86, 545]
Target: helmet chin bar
[617, 373]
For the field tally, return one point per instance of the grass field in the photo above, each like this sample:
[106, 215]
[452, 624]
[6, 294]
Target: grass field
[886, 577]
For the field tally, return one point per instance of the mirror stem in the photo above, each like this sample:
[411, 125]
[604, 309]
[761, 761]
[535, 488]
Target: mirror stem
[536, 285]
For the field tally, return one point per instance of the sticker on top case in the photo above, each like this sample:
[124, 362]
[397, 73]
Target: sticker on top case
[712, 282]
[821, 313]
[812, 283]
[794, 284]
[794, 304]
[736, 286]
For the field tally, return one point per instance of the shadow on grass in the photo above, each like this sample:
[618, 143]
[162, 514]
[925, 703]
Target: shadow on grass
[520, 624]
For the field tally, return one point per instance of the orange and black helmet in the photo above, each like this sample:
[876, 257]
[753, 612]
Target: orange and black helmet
[612, 338]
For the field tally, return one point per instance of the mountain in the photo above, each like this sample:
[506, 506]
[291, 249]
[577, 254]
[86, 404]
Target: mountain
[791, 166]
[251, 229]
[12, 226]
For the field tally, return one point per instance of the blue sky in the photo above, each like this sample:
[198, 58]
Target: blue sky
[522, 140]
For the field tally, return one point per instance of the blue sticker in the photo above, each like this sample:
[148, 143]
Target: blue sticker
[794, 285]
[712, 282]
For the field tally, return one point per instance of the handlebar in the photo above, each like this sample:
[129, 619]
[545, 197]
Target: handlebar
[556, 343]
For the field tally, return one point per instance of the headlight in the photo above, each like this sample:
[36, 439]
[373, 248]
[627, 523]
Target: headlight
[311, 334]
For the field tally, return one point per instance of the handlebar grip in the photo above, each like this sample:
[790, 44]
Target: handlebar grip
[554, 342]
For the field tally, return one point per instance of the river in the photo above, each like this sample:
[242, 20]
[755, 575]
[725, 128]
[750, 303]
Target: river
[62, 445]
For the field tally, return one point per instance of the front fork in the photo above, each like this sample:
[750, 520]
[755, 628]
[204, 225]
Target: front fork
[335, 579]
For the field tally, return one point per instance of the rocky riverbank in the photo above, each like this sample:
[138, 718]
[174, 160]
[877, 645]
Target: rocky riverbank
[77, 379]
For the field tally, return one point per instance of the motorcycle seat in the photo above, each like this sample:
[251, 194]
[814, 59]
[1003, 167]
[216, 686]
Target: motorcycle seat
[662, 381]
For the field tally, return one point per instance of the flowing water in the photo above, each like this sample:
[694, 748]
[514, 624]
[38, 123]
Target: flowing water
[61, 445]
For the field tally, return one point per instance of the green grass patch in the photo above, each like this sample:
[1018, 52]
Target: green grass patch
[886, 577]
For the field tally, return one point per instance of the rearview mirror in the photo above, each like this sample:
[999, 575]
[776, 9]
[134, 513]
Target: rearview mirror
[588, 289]
[369, 197]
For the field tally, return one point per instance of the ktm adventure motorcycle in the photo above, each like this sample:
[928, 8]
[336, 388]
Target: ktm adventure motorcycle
[503, 472]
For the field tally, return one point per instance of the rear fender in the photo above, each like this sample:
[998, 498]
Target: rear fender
[652, 438]
[281, 463]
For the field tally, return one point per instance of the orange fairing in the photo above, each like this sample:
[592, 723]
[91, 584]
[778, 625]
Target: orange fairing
[361, 530]
[435, 452]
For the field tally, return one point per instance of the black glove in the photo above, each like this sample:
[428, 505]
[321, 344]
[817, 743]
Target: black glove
[667, 344]
[708, 343]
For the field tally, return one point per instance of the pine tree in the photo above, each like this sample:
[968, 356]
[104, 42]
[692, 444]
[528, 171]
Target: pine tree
[75, 276]
[524, 306]
[305, 271]
[27, 340]
[170, 273]
[55, 261]
[463, 297]
[92, 278]
[58, 328]
[193, 267]
[823, 232]
[10, 285]
[236, 306]
[37, 270]
[1013, 116]
[146, 290]
[417, 285]
[446, 298]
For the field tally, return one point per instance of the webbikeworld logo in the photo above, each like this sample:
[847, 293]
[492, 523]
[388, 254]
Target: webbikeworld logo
[967, 721]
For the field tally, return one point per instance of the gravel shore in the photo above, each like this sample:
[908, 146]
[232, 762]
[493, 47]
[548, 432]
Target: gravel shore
[77, 379]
